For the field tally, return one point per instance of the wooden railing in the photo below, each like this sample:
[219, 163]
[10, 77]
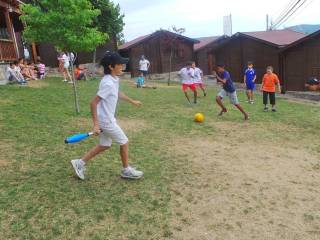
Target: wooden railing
[7, 50]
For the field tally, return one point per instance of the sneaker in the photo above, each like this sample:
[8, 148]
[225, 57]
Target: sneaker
[78, 168]
[266, 109]
[70, 82]
[251, 102]
[65, 80]
[274, 110]
[131, 173]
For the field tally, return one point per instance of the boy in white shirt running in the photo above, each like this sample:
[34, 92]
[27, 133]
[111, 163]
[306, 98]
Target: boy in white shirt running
[103, 108]
[188, 78]
[198, 74]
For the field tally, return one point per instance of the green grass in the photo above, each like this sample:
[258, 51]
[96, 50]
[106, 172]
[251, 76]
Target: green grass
[41, 199]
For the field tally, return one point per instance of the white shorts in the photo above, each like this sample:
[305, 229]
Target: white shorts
[112, 132]
[66, 65]
[232, 96]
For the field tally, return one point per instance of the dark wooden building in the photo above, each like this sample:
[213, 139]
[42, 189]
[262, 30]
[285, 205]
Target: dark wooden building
[203, 52]
[301, 62]
[157, 49]
[263, 48]
[11, 28]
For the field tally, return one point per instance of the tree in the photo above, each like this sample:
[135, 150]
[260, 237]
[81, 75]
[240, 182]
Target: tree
[67, 24]
[173, 45]
[109, 21]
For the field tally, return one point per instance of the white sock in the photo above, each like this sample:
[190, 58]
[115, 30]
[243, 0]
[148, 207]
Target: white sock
[82, 163]
[127, 168]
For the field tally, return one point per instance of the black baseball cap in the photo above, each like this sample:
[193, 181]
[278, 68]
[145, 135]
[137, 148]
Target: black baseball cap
[112, 58]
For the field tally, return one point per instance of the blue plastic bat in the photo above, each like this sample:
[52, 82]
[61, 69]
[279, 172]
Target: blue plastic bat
[77, 138]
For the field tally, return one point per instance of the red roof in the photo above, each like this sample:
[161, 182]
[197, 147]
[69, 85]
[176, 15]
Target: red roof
[276, 37]
[204, 41]
[133, 42]
[138, 40]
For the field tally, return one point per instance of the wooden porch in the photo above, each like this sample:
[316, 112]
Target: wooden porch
[9, 49]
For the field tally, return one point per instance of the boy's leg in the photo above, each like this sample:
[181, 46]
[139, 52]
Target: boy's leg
[124, 154]
[246, 116]
[235, 101]
[94, 152]
[195, 93]
[203, 90]
[184, 89]
[220, 103]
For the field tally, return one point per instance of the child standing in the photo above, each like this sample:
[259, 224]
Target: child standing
[269, 82]
[228, 89]
[103, 108]
[187, 76]
[140, 80]
[250, 77]
[41, 69]
[198, 74]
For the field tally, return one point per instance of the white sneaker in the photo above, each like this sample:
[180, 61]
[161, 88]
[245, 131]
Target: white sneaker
[65, 80]
[131, 173]
[78, 168]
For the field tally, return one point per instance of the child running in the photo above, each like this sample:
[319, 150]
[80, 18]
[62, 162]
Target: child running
[103, 108]
[269, 82]
[228, 89]
[198, 74]
[187, 76]
[250, 77]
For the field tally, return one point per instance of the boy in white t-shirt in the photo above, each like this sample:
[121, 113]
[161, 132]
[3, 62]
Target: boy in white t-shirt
[198, 74]
[144, 65]
[188, 81]
[103, 108]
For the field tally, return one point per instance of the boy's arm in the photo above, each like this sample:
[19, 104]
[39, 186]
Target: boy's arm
[278, 84]
[244, 79]
[124, 97]
[94, 113]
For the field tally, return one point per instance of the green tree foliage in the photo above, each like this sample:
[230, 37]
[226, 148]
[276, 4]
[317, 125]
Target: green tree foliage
[67, 24]
[110, 20]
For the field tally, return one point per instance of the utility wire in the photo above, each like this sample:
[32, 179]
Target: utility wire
[288, 12]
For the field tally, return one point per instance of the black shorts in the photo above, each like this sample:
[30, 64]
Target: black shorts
[271, 96]
[145, 73]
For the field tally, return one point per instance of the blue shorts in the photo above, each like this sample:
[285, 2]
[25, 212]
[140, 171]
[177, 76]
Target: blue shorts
[251, 86]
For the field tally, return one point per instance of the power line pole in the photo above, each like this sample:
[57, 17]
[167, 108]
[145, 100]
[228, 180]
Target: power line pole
[267, 19]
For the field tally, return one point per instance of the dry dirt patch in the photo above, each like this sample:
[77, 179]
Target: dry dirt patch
[37, 84]
[6, 152]
[6, 102]
[242, 189]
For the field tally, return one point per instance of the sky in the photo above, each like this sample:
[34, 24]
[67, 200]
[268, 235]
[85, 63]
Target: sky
[203, 18]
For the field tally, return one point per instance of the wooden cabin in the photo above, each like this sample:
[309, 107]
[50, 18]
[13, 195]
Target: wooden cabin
[203, 52]
[11, 47]
[301, 62]
[157, 49]
[262, 48]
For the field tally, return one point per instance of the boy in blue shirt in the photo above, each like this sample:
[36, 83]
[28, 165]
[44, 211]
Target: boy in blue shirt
[250, 77]
[140, 80]
[228, 90]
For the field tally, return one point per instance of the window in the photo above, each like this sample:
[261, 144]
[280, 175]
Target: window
[3, 27]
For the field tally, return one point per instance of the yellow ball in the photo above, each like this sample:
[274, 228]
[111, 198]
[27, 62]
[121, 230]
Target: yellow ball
[199, 117]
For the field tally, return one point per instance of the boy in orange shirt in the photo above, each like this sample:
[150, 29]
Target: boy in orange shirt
[269, 82]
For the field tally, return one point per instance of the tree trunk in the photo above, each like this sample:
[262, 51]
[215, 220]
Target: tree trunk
[94, 57]
[75, 92]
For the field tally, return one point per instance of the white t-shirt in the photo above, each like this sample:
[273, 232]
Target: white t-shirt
[108, 92]
[198, 75]
[144, 65]
[187, 75]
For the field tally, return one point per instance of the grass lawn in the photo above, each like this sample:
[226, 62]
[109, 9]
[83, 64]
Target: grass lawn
[223, 179]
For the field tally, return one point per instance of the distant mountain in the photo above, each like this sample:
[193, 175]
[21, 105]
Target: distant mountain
[305, 28]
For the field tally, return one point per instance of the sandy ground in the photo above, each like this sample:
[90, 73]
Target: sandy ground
[235, 188]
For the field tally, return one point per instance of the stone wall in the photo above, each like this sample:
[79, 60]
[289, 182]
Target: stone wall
[3, 79]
